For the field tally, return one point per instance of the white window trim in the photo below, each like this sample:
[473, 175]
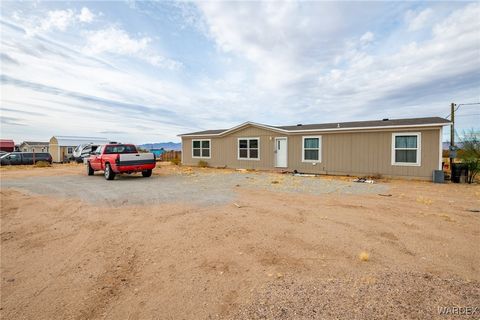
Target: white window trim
[440, 149]
[210, 148]
[248, 148]
[319, 149]
[418, 149]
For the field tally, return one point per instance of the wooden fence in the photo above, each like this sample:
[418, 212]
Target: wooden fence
[170, 155]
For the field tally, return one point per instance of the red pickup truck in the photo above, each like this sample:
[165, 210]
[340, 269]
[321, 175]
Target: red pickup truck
[120, 158]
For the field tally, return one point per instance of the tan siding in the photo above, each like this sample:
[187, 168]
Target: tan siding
[53, 149]
[355, 153]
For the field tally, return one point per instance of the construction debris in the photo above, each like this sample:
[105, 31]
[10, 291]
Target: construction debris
[363, 180]
[304, 175]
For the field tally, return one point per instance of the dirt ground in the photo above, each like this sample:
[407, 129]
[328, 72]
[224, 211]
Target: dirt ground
[191, 243]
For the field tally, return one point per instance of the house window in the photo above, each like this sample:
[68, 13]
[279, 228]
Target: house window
[69, 150]
[201, 148]
[406, 149]
[312, 149]
[249, 148]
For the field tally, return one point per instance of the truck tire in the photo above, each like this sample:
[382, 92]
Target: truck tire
[147, 173]
[90, 170]
[109, 174]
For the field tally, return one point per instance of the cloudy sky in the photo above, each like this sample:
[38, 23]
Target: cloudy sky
[147, 71]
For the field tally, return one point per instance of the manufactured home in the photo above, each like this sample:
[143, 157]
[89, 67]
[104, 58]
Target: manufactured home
[62, 147]
[408, 148]
[33, 146]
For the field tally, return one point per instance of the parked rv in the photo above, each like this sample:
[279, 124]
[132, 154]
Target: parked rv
[18, 158]
[84, 151]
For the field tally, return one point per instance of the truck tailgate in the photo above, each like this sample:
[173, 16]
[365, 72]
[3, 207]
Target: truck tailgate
[134, 159]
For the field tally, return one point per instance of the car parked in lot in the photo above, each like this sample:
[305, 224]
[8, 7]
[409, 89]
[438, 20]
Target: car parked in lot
[120, 158]
[18, 158]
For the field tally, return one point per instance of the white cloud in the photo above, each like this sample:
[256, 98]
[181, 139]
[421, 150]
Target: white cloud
[275, 63]
[117, 41]
[367, 37]
[53, 20]
[418, 20]
[306, 63]
[86, 15]
[58, 19]
[114, 40]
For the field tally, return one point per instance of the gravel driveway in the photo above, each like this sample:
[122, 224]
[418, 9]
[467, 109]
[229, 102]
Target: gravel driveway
[199, 187]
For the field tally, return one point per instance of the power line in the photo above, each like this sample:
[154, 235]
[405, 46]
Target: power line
[462, 104]
[468, 104]
[466, 115]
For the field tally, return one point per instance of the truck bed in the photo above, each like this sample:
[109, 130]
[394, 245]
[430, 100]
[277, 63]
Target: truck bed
[136, 159]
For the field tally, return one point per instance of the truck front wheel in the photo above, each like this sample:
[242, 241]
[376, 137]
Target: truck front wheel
[90, 170]
[147, 173]
[109, 174]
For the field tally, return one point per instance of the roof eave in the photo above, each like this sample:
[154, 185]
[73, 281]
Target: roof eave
[317, 130]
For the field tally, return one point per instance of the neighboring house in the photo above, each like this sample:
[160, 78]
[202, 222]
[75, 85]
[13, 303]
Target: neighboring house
[392, 148]
[33, 146]
[61, 147]
[7, 145]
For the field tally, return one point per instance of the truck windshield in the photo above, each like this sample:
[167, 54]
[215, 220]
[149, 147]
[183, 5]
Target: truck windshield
[120, 149]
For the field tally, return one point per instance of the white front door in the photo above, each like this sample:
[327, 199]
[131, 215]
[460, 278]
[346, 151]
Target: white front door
[281, 152]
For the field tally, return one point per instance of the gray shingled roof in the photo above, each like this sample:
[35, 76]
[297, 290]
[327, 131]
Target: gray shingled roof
[206, 132]
[371, 123]
[36, 143]
[345, 125]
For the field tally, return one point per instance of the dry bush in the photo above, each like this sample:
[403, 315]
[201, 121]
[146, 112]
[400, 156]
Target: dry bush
[202, 164]
[42, 164]
[364, 256]
[175, 161]
[377, 176]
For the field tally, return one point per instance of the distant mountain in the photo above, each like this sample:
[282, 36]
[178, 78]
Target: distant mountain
[165, 145]
[446, 145]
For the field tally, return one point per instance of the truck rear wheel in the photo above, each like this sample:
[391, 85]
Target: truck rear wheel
[90, 171]
[147, 173]
[109, 174]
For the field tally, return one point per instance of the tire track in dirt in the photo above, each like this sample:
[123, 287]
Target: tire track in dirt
[118, 276]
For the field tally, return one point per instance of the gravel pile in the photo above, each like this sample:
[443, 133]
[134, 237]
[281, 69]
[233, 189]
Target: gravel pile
[391, 295]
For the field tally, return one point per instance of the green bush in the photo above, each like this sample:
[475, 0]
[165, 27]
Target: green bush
[202, 164]
[470, 154]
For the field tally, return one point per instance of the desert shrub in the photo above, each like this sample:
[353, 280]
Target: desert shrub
[377, 176]
[42, 164]
[202, 164]
[470, 154]
[364, 256]
[175, 161]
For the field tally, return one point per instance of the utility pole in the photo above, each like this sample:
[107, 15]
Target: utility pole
[452, 139]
